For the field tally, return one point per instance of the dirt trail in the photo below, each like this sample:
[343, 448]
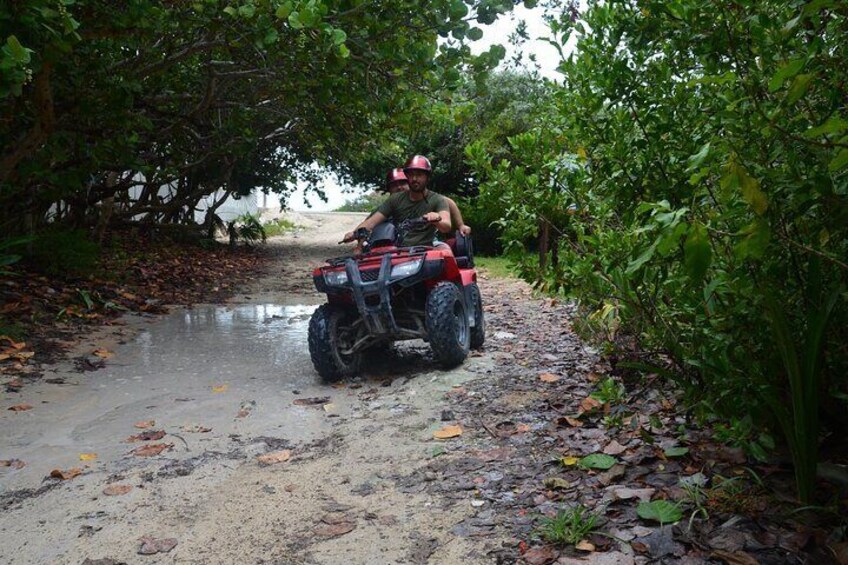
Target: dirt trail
[236, 370]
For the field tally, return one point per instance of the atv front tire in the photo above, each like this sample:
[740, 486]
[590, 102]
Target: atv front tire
[447, 324]
[328, 336]
[478, 332]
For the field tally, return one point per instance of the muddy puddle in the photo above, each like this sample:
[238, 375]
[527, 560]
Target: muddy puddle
[233, 370]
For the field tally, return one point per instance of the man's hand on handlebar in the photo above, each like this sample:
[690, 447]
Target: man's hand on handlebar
[431, 217]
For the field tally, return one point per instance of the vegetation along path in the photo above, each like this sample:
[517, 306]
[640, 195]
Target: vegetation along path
[207, 438]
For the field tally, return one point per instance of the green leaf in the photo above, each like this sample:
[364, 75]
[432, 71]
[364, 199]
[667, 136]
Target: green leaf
[230, 11]
[598, 461]
[247, 10]
[678, 451]
[474, 34]
[19, 53]
[458, 10]
[284, 10]
[344, 52]
[646, 255]
[839, 161]
[661, 511]
[787, 71]
[339, 36]
[753, 245]
[294, 20]
[799, 88]
[697, 253]
[834, 125]
[698, 158]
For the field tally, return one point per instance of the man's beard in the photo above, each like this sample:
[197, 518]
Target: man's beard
[417, 188]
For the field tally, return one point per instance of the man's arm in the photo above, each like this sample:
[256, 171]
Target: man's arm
[368, 223]
[456, 217]
[440, 219]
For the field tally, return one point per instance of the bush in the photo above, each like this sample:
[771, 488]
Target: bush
[60, 252]
[363, 203]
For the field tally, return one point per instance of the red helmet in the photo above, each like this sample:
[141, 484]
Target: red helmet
[418, 163]
[395, 175]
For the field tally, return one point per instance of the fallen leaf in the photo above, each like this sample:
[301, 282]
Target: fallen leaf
[522, 428]
[151, 449]
[330, 408]
[548, 378]
[23, 355]
[585, 545]
[447, 432]
[597, 461]
[20, 407]
[145, 424]
[14, 345]
[540, 555]
[150, 546]
[569, 461]
[614, 448]
[13, 463]
[66, 475]
[220, 388]
[274, 457]
[196, 429]
[588, 404]
[117, 490]
[677, 451]
[313, 401]
[103, 353]
[246, 408]
[555, 483]
[150, 435]
[334, 530]
[737, 558]
[14, 385]
[618, 492]
[88, 456]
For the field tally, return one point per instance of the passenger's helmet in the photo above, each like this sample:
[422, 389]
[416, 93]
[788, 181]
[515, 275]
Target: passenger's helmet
[395, 175]
[418, 163]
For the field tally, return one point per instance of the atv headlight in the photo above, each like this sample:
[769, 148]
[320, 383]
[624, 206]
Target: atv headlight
[335, 278]
[406, 269]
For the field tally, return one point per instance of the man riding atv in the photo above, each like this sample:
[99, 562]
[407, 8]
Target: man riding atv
[417, 202]
[396, 181]
[403, 285]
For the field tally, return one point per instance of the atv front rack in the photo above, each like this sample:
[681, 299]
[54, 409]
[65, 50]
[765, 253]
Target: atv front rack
[378, 317]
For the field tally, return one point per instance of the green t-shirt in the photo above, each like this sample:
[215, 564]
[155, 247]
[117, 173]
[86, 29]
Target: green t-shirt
[400, 207]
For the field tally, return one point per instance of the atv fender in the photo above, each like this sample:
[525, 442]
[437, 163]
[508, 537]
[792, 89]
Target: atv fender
[467, 278]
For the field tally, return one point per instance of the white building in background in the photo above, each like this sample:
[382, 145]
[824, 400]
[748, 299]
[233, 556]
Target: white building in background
[231, 208]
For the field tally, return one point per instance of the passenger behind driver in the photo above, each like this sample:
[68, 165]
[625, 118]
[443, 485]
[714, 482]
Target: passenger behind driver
[417, 202]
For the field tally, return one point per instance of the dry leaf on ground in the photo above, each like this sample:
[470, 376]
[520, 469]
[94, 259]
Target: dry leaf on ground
[150, 546]
[145, 424]
[548, 378]
[220, 388]
[117, 490]
[66, 475]
[313, 401]
[20, 407]
[274, 457]
[588, 404]
[614, 448]
[103, 353]
[196, 429]
[13, 463]
[88, 456]
[447, 432]
[585, 545]
[338, 528]
[151, 449]
[151, 435]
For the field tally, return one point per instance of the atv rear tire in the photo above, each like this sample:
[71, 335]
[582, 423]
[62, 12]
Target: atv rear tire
[327, 336]
[478, 332]
[447, 324]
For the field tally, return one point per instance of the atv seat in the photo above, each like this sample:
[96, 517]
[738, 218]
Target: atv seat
[463, 250]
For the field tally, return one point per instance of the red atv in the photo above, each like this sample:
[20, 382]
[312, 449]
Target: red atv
[391, 293]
